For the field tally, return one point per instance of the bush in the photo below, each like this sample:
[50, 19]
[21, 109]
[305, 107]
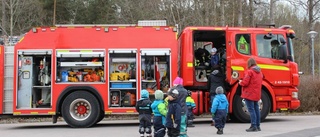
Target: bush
[309, 94]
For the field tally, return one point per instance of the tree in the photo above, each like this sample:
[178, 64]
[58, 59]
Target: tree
[240, 13]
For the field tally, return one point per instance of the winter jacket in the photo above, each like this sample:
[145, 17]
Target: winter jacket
[252, 83]
[220, 102]
[190, 102]
[183, 93]
[159, 109]
[214, 60]
[215, 80]
[173, 119]
[143, 106]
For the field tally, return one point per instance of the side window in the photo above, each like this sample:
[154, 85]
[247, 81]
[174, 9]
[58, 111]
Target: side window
[263, 46]
[243, 43]
[269, 47]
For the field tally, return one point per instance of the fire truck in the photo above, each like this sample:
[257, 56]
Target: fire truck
[85, 72]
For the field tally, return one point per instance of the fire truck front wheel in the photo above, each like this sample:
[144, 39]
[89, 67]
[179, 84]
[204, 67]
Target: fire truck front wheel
[240, 110]
[80, 109]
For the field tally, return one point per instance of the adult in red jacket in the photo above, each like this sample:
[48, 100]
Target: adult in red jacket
[251, 92]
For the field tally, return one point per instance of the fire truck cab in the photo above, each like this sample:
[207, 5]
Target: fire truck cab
[235, 46]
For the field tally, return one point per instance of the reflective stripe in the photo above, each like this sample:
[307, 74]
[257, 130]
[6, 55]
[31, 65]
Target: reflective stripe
[238, 68]
[263, 66]
[193, 28]
[274, 67]
[189, 65]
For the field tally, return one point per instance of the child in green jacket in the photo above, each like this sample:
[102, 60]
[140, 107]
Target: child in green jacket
[191, 106]
[159, 110]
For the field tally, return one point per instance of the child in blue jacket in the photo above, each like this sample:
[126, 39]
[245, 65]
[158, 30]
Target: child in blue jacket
[159, 110]
[173, 119]
[219, 109]
[143, 107]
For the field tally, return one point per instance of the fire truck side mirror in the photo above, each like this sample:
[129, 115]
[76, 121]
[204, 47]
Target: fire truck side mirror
[268, 36]
[283, 53]
[289, 58]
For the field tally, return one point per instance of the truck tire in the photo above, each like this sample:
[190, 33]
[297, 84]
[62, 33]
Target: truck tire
[80, 109]
[241, 113]
[101, 117]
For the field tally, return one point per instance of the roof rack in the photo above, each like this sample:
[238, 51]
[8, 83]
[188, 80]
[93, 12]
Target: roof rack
[94, 25]
[140, 23]
[269, 25]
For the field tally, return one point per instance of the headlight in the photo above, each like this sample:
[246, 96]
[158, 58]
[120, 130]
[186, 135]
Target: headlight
[294, 95]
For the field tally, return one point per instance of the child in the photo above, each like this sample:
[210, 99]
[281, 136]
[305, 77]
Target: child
[191, 106]
[144, 108]
[159, 109]
[219, 109]
[216, 79]
[214, 62]
[183, 93]
[173, 119]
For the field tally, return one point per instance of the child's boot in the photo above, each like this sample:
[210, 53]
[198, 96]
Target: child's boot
[190, 123]
[220, 131]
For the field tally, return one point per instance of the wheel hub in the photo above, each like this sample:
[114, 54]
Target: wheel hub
[245, 108]
[80, 109]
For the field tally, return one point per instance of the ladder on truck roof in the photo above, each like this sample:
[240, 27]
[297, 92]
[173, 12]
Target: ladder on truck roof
[140, 23]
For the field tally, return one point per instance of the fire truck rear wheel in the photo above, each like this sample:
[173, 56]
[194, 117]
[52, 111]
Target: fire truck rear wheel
[241, 113]
[101, 117]
[80, 109]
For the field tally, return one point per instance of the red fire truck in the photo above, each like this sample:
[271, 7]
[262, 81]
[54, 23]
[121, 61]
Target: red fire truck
[84, 72]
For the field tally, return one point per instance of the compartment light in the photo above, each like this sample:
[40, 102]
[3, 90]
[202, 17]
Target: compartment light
[106, 29]
[34, 30]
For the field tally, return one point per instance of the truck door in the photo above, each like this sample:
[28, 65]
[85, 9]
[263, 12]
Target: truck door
[229, 71]
[270, 49]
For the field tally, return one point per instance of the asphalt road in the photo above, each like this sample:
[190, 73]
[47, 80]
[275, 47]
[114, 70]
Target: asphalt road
[274, 126]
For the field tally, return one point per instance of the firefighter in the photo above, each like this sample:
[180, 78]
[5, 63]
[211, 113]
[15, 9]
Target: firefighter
[201, 57]
[159, 110]
[143, 107]
[191, 106]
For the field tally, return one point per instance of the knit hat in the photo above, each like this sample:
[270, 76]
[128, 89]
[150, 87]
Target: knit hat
[219, 90]
[213, 50]
[178, 81]
[174, 93]
[158, 94]
[144, 94]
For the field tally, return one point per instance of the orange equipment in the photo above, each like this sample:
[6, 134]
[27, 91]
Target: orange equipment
[129, 100]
